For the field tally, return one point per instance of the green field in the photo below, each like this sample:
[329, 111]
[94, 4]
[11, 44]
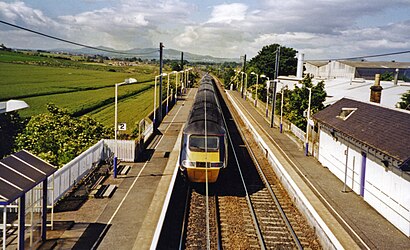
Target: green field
[79, 87]
[130, 110]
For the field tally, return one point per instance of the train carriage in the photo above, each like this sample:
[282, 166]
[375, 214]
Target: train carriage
[204, 143]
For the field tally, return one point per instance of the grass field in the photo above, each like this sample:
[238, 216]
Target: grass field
[130, 110]
[79, 89]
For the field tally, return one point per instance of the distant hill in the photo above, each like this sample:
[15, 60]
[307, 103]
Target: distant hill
[149, 53]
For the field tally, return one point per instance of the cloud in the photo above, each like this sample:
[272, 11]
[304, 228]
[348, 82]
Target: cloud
[227, 13]
[20, 13]
[320, 28]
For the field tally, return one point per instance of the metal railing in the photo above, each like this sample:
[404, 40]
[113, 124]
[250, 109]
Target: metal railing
[71, 173]
[297, 132]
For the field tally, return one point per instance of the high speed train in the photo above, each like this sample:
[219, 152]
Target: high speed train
[204, 149]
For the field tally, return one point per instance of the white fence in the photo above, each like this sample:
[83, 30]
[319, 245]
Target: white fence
[297, 132]
[125, 149]
[149, 130]
[71, 173]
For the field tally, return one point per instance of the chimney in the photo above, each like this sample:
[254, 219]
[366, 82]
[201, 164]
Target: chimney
[396, 76]
[299, 71]
[376, 90]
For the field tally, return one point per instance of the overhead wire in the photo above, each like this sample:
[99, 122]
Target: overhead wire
[150, 52]
[367, 56]
[371, 56]
[76, 43]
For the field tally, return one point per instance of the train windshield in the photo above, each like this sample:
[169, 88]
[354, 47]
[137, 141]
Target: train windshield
[197, 143]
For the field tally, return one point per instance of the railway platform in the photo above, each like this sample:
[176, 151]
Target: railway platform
[352, 223]
[129, 219]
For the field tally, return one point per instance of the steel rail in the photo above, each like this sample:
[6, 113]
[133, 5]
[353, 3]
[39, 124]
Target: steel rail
[272, 193]
[185, 219]
[301, 174]
[218, 224]
[247, 196]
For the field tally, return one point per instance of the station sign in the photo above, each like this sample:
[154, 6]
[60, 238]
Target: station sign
[122, 126]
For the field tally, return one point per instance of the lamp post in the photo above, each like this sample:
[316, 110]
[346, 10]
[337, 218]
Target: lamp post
[155, 96]
[176, 86]
[173, 72]
[267, 93]
[264, 76]
[307, 123]
[187, 78]
[241, 84]
[256, 93]
[246, 84]
[277, 60]
[181, 80]
[127, 81]
[281, 108]
[236, 74]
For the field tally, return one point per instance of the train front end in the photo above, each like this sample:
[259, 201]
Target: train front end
[203, 157]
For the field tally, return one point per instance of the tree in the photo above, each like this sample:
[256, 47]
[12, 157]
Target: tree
[10, 125]
[175, 66]
[296, 101]
[59, 137]
[228, 76]
[405, 101]
[264, 62]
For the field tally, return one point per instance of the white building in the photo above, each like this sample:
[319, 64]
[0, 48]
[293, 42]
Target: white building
[356, 69]
[368, 148]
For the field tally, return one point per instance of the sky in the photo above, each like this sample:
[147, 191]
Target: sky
[321, 29]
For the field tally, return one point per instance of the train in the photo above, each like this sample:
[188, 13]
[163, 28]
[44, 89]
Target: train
[204, 150]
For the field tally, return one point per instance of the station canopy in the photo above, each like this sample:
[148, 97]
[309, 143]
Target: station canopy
[19, 173]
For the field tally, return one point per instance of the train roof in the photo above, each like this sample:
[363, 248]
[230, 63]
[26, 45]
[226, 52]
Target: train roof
[205, 97]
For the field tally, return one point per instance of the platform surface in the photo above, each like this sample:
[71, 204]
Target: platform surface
[369, 229]
[129, 218]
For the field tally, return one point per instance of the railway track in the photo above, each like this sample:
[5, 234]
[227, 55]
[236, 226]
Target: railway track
[277, 222]
[247, 208]
[201, 221]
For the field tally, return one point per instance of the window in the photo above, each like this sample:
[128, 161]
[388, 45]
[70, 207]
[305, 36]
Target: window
[197, 143]
[346, 113]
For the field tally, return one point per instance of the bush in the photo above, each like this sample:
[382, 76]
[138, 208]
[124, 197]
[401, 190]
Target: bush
[59, 137]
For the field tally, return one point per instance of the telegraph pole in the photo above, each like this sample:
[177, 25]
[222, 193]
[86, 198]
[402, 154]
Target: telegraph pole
[182, 60]
[160, 83]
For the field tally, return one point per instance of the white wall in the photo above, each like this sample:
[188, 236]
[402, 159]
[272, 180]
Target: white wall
[333, 69]
[385, 191]
[389, 194]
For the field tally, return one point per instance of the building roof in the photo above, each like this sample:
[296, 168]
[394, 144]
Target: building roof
[19, 173]
[384, 129]
[317, 63]
[365, 64]
[383, 65]
[336, 89]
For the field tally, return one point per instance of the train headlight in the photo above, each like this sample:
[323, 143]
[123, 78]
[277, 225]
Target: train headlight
[187, 163]
[217, 164]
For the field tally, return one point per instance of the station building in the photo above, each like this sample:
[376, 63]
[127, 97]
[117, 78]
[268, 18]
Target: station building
[367, 147]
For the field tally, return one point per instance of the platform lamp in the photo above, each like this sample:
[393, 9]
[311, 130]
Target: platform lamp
[256, 93]
[126, 81]
[173, 72]
[307, 123]
[267, 93]
[244, 90]
[155, 97]
[181, 80]
[281, 108]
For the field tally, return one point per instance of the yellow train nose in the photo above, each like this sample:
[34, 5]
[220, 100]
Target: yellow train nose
[200, 174]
